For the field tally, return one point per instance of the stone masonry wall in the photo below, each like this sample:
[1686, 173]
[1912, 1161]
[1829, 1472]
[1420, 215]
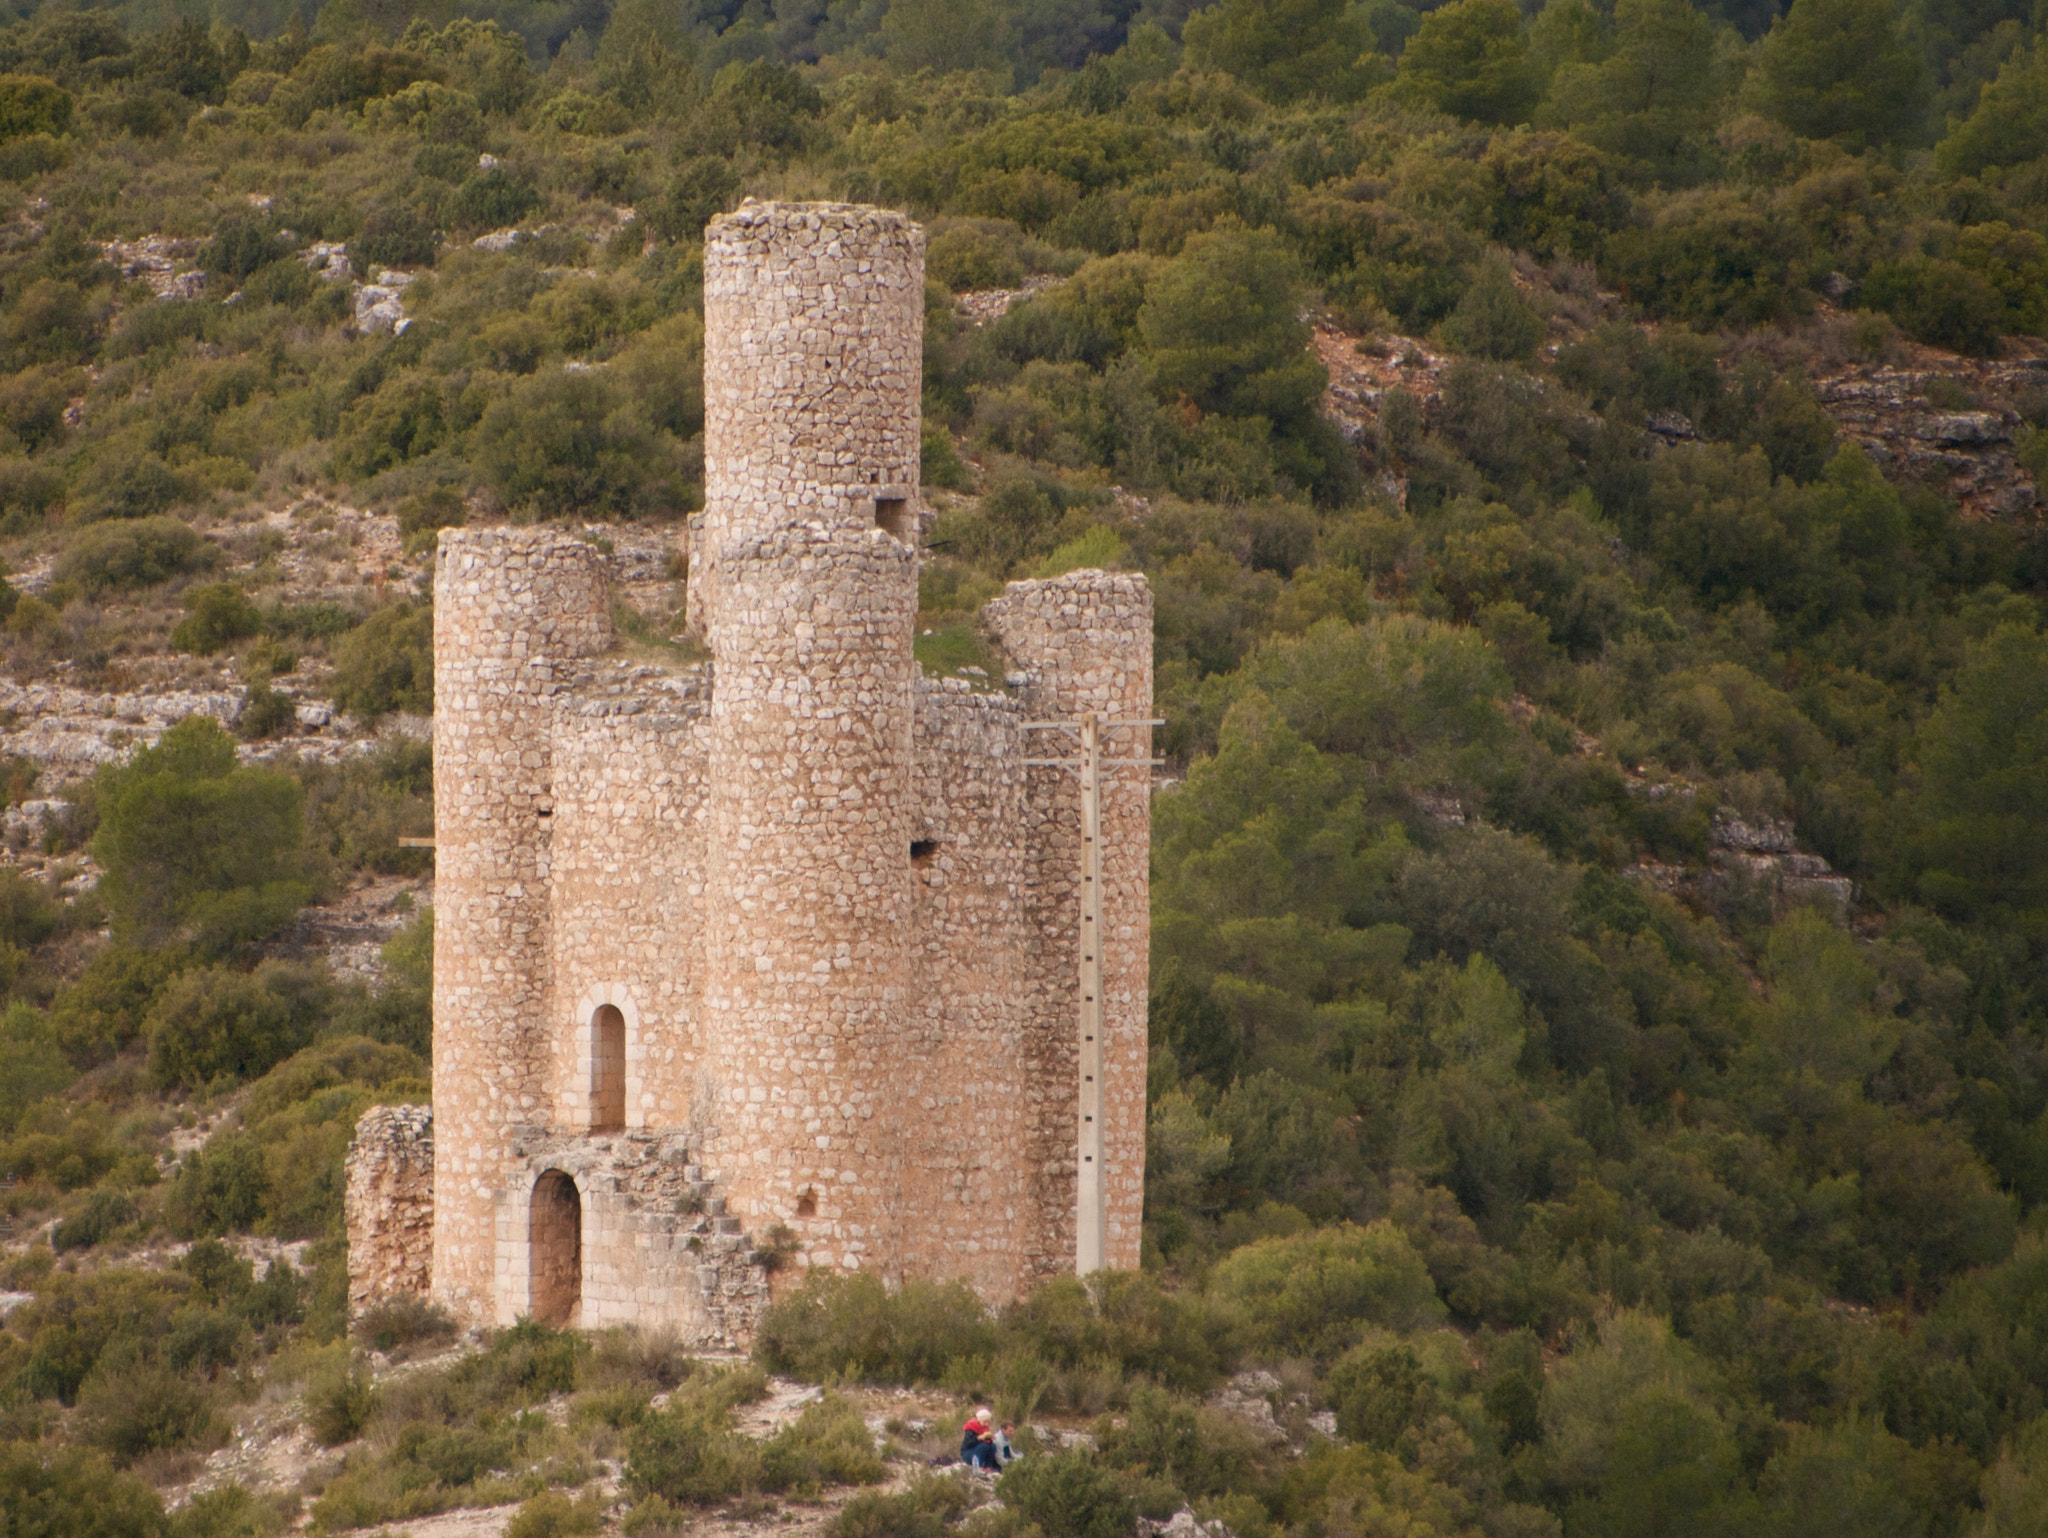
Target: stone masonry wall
[813, 358]
[808, 867]
[1085, 642]
[967, 1195]
[511, 607]
[390, 1204]
[628, 868]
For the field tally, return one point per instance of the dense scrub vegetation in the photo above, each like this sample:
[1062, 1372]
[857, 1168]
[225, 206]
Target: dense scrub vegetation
[1589, 1204]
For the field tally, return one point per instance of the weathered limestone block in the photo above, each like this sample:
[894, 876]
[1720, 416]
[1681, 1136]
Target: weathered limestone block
[390, 1204]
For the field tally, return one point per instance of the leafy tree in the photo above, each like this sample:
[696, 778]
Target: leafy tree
[1940, 301]
[195, 845]
[2009, 125]
[32, 1064]
[1068, 1495]
[73, 1492]
[217, 1023]
[1837, 69]
[1284, 49]
[945, 35]
[1470, 59]
[32, 105]
[217, 615]
[1650, 101]
[1222, 328]
[1845, 1481]
[1983, 801]
[220, 1188]
[1315, 1292]
[387, 663]
[646, 58]
[1493, 319]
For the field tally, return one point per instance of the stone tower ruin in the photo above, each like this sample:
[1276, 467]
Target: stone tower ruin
[794, 957]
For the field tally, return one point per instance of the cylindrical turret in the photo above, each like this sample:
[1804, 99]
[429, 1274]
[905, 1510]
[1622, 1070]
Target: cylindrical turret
[814, 323]
[509, 605]
[813, 366]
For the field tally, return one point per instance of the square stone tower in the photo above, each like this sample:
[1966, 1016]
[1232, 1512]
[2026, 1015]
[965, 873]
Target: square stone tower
[794, 956]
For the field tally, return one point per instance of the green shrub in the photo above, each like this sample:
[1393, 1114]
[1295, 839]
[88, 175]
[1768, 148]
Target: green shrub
[265, 711]
[103, 1010]
[229, 1511]
[854, 1325]
[29, 105]
[1310, 1293]
[240, 245]
[1493, 320]
[132, 1407]
[922, 1511]
[104, 1213]
[195, 844]
[552, 1514]
[975, 255]
[219, 1189]
[1379, 1392]
[137, 553]
[406, 1320]
[1937, 301]
[286, 281]
[689, 1453]
[32, 1063]
[490, 200]
[559, 445]
[340, 1398]
[55, 1492]
[828, 1444]
[220, 1023]
[393, 235]
[1069, 1495]
[387, 663]
[216, 616]
[698, 191]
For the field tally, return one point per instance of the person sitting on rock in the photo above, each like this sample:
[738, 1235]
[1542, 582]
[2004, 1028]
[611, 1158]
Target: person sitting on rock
[1005, 1453]
[977, 1441]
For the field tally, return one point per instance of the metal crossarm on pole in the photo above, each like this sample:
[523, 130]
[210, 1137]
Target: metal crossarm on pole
[1091, 1184]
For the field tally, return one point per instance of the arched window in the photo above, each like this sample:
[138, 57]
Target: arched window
[556, 1249]
[607, 1069]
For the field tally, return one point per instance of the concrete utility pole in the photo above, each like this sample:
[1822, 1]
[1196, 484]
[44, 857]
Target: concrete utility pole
[1090, 1177]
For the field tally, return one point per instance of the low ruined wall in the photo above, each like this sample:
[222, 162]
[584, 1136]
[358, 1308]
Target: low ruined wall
[390, 1204]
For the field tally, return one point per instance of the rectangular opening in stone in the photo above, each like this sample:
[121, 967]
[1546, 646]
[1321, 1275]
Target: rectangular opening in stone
[894, 515]
[923, 850]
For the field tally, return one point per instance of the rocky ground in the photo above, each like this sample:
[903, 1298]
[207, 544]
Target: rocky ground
[270, 1452]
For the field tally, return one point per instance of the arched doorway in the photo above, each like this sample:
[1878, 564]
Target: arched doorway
[607, 1069]
[557, 1249]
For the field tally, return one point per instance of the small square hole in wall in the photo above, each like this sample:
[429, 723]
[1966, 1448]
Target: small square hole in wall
[923, 851]
[807, 1205]
[894, 514]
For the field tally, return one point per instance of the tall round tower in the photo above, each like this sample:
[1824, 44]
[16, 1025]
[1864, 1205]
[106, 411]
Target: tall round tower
[805, 574]
[510, 606]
